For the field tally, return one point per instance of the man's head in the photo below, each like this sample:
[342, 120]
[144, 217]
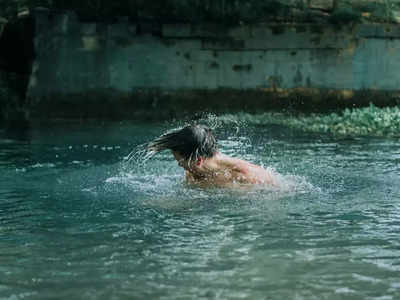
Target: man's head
[190, 143]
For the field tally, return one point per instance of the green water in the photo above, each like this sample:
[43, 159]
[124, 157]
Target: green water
[79, 222]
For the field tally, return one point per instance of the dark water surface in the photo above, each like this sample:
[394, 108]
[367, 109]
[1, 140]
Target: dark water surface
[77, 222]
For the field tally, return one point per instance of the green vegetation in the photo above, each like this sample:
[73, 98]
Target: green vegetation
[368, 121]
[220, 11]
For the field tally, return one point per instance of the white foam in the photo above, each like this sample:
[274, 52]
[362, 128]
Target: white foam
[43, 165]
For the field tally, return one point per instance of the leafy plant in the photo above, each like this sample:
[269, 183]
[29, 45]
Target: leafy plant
[367, 121]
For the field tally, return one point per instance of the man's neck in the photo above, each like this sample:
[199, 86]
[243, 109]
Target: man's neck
[210, 167]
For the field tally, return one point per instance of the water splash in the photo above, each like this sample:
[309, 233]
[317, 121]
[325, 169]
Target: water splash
[138, 156]
[141, 154]
[160, 181]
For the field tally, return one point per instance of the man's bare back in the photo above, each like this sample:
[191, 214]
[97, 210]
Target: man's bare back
[195, 149]
[223, 170]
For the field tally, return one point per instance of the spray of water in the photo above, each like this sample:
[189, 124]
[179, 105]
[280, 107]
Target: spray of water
[160, 180]
[142, 153]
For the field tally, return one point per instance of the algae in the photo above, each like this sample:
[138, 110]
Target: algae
[366, 121]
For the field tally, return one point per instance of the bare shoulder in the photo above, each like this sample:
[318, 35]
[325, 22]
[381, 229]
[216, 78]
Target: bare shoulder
[237, 164]
[250, 173]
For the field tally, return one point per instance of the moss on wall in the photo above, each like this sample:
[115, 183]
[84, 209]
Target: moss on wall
[221, 11]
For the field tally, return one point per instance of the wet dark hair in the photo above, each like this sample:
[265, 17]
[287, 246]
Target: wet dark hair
[191, 142]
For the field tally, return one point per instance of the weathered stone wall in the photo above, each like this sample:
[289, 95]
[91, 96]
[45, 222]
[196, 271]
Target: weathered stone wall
[127, 67]
[125, 58]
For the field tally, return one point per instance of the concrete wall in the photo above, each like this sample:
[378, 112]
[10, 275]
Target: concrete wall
[77, 61]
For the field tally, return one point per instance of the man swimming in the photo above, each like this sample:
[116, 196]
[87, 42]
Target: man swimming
[196, 150]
